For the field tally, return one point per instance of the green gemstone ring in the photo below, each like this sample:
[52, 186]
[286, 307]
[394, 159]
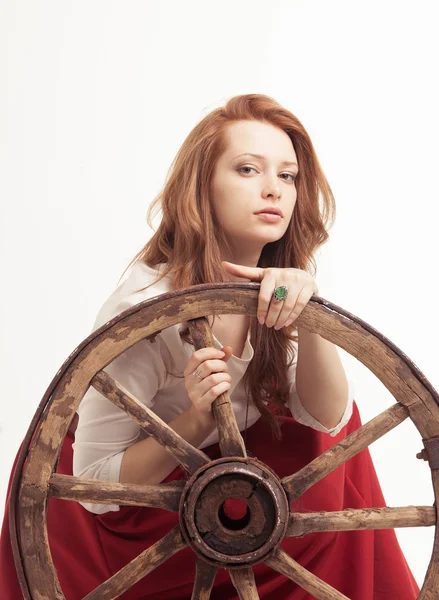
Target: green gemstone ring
[280, 293]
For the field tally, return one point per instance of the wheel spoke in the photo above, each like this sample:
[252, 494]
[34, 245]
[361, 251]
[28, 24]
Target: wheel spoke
[295, 485]
[352, 519]
[204, 578]
[140, 566]
[286, 565]
[230, 438]
[166, 496]
[189, 457]
[431, 581]
[244, 582]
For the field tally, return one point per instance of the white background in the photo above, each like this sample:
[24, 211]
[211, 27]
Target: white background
[96, 98]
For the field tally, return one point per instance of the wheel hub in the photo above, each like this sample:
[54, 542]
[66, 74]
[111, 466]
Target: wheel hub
[234, 511]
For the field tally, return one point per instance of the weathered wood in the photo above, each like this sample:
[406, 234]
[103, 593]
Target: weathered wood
[244, 582]
[190, 458]
[286, 565]
[166, 496]
[430, 587]
[230, 438]
[139, 567]
[352, 519]
[141, 323]
[381, 356]
[295, 485]
[204, 577]
[35, 548]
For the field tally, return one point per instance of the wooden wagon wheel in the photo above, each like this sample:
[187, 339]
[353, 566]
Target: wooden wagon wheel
[199, 499]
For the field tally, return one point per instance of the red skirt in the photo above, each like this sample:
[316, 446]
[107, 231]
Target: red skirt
[364, 565]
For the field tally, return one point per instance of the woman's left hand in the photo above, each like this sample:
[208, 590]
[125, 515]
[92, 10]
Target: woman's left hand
[300, 284]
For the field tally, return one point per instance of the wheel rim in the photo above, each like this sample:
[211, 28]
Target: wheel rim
[416, 399]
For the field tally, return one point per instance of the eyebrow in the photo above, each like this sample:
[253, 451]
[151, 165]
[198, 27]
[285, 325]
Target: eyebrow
[285, 162]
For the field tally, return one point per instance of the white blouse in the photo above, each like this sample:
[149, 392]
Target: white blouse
[146, 370]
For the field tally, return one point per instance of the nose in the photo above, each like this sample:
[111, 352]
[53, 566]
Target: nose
[271, 186]
[273, 191]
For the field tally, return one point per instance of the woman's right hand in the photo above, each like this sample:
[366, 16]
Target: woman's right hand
[215, 379]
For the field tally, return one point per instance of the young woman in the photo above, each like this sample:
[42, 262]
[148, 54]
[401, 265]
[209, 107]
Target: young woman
[290, 394]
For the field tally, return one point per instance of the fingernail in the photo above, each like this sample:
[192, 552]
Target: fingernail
[222, 353]
[261, 320]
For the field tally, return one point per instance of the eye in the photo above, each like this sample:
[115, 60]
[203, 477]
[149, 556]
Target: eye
[292, 175]
[251, 168]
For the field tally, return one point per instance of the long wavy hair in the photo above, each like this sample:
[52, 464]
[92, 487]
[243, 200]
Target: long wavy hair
[189, 238]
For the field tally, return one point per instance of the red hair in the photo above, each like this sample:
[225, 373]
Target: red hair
[189, 239]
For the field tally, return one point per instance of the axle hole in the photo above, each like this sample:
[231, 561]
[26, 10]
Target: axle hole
[234, 513]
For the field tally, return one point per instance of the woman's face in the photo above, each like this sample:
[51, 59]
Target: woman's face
[244, 185]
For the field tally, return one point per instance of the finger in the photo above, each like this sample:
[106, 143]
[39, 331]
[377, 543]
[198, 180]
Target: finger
[205, 369]
[264, 297]
[279, 310]
[302, 300]
[204, 392]
[287, 306]
[205, 402]
[252, 273]
[203, 386]
[200, 356]
[228, 350]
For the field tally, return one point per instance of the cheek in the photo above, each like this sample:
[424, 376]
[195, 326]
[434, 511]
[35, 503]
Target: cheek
[227, 195]
[232, 199]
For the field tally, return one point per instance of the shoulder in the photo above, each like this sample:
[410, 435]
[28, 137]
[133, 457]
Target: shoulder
[127, 294]
[131, 291]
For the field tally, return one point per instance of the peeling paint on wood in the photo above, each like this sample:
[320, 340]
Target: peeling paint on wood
[34, 479]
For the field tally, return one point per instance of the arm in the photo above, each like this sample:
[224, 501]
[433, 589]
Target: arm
[147, 462]
[105, 431]
[321, 382]
[106, 439]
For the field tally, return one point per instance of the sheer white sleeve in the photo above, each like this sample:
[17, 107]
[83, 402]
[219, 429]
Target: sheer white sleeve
[301, 415]
[105, 431]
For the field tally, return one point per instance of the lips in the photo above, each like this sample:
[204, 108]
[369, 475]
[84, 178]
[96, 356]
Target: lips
[270, 211]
